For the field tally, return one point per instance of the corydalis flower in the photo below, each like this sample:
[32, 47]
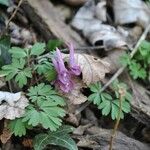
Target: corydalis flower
[74, 68]
[64, 77]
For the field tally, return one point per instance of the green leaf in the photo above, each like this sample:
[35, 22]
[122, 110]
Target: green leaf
[38, 49]
[18, 127]
[5, 2]
[125, 60]
[95, 98]
[59, 138]
[52, 44]
[115, 111]
[51, 75]
[18, 52]
[106, 107]
[47, 112]
[5, 57]
[137, 71]
[21, 79]
[95, 87]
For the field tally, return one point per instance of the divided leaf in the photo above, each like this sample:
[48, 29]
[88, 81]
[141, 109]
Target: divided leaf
[105, 102]
[47, 110]
[59, 137]
[17, 127]
[38, 49]
[18, 52]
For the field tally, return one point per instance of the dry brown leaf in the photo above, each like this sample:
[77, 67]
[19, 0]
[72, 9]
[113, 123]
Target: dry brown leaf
[93, 69]
[13, 106]
[131, 11]
[73, 119]
[76, 97]
[6, 135]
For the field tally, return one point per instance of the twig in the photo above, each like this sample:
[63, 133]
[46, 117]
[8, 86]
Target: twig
[13, 15]
[116, 124]
[67, 50]
[120, 70]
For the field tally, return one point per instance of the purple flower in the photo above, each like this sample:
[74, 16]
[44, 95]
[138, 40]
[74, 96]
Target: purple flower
[74, 68]
[64, 77]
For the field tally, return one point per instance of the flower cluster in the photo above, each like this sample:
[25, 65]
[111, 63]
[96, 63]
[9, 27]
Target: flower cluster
[64, 78]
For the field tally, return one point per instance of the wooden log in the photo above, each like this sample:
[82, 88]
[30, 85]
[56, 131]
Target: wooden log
[98, 139]
[48, 22]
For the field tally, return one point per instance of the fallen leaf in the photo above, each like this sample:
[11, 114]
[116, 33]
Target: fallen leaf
[76, 97]
[27, 143]
[106, 35]
[101, 12]
[73, 119]
[6, 135]
[131, 11]
[93, 68]
[85, 16]
[89, 20]
[13, 106]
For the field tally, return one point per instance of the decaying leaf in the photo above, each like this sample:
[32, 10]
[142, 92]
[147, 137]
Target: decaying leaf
[101, 11]
[73, 119]
[89, 22]
[76, 97]
[131, 11]
[85, 16]
[13, 106]
[106, 35]
[6, 135]
[93, 68]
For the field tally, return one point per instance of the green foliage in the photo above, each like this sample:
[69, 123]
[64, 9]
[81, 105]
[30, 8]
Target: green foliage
[46, 68]
[59, 137]
[52, 44]
[45, 108]
[109, 104]
[18, 52]
[4, 2]
[18, 71]
[38, 49]
[139, 65]
[17, 127]
[20, 68]
[4, 47]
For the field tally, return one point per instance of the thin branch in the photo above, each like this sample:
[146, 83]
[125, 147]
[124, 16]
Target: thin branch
[67, 50]
[120, 70]
[116, 124]
[13, 15]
